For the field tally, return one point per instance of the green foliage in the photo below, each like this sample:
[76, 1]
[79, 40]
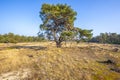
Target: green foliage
[111, 38]
[58, 24]
[12, 38]
[56, 20]
[60, 14]
[67, 35]
[82, 34]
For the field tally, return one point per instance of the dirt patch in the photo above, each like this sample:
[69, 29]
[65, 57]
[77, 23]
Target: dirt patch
[16, 75]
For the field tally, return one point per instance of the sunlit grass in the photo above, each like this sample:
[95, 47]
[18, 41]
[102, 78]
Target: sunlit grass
[71, 62]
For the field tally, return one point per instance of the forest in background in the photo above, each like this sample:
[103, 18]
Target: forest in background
[110, 38]
[14, 38]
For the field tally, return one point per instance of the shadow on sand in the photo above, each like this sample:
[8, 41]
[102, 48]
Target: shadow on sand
[30, 47]
[107, 62]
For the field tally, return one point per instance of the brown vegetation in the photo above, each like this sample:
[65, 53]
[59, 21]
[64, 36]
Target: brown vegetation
[43, 61]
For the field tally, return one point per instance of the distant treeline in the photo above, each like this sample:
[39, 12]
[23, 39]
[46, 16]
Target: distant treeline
[13, 38]
[110, 38]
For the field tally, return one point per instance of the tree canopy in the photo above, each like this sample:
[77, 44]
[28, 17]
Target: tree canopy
[58, 23]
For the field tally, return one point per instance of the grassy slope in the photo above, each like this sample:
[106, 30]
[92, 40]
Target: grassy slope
[78, 62]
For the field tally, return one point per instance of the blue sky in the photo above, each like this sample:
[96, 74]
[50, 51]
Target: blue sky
[22, 16]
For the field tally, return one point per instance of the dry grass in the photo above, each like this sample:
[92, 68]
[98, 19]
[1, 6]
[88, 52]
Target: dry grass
[71, 62]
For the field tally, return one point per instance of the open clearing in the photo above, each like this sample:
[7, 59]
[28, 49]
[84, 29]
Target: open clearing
[43, 61]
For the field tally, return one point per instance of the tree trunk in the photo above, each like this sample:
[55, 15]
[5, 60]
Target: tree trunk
[58, 44]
